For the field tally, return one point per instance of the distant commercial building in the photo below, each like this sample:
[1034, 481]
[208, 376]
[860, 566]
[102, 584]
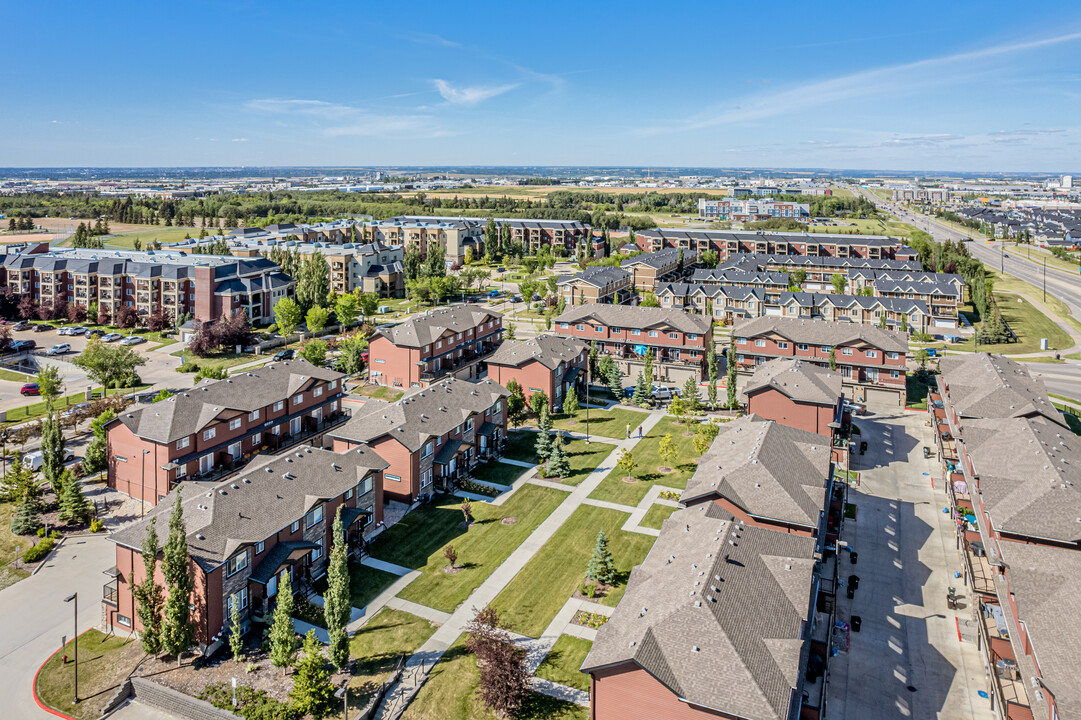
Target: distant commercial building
[928, 195]
[751, 210]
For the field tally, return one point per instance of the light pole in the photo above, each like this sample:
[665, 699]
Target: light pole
[4, 450]
[75, 640]
[142, 483]
[1045, 279]
[589, 378]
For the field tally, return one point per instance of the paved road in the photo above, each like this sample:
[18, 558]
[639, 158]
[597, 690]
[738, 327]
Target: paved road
[35, 616]
[1064, 379]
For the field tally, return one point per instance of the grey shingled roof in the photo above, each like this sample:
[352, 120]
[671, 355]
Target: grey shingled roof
[753, 236]
[596, 276]
[982, 385]
[944, 289]
[715, 612]
[660, 258]
[255, 503]
[636, 316]
[727, 292]
[189, 411]
[423, 414]
[799, 380]
[768, 469]
[425, 329]
[733, 276]
[822, 332]
[548, 350]
[759, 261]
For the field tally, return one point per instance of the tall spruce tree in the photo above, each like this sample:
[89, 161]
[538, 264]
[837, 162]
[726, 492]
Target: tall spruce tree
[149, 597]
[75, 509]
[602, 567]
[177, 633]
[336, 604]
[312, 692]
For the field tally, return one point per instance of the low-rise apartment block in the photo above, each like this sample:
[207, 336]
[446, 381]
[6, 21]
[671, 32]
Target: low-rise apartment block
[533, 234]
[727, 243]
[921, 195]
[448, 341]
[244, 534]
[818, 271]
[751, 210]
[723, 302]
[870, 360]
[432, 437]
[596, 285]
[547, 363]
[215, 426]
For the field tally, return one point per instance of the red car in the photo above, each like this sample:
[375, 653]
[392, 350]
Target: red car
[30, 389]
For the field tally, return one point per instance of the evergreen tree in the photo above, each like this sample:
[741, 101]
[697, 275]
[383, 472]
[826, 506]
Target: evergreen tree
[641, 391]
[75, 509]
[336, 603]
[149, 597]
[833, 359]
[52, 453]
[731, 375]
[690, 395]
[612, 376]
[602, 567]
[594, 368]
[312, 692]
[26, 517]
[283, 638]
[711, 365]
[543, 446]
[236, 632]
[509, 333]
[177, 633]
[570, 402]
[904, 323]
[558, 465]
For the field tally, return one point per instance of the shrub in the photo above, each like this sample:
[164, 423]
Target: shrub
[251, 704]
[54, 535]
[273, 328]
[41, 532]
[478, 489]
[188, 367]
[96, 525]
[39, 551]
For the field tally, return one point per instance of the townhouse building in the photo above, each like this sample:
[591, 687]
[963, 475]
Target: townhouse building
[818, 272]
[447, 341]
[430, 438]
[797, 394]
[679, 342]
[941, 299]
[203, 286]
[727, 243]
[547, 363]
[244, 534]
[596, 284]
[649, 270]
[870, 360]
[722, 302]
[211, 429]
[895, 313]
[747, 210]
[866, 277]
[773, 283]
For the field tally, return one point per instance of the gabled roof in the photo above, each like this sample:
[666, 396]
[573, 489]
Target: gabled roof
[734, 276]
[636, 316]
[768, 469]
[728, 292]
[982, 385]
[425, 329]
[548, 350]
[661, 258]
[822, 332]
[597, 276]
[715, 613]
[801, 381]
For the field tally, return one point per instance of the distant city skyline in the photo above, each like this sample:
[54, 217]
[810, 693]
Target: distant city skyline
[964, 87]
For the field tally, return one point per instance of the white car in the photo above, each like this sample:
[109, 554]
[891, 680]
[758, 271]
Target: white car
[661, 392]
[111, 337]
[133, 340]
[58, 349]
[64, 331]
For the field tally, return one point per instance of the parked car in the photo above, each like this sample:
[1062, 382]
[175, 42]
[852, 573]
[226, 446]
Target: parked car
[59, 349]
[111, 337]
[75, 410]
[24, 325]
[20, 345]
[285, 355]
[34, 460]
[96, 333]
[133, 340]
[494, 294]
[76, 330]
[30, 389]
[661, 392]
[516, 298]
[43, 328]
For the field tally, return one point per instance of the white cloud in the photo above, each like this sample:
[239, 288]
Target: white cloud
[240, 140]
[338, 119]
[470, 95]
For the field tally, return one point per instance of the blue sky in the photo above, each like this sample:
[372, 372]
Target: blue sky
[933, 86]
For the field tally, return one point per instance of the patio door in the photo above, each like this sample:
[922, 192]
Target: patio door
[235, 450]
[206, 463]
[294, 426]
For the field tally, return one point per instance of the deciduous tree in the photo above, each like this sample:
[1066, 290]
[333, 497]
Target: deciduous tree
[287, 314]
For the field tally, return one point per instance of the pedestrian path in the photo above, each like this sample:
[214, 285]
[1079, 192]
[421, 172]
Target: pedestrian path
[436, 616]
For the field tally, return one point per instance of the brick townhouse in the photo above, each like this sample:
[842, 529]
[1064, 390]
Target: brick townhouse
[871, 360]
[651, 269]
[244, 533]
[203, 286]
[798, 394]
[596, 285]
[818, 271]
[679, 341]
[727, 243]
[451, 340]
[210, 429]
[431, 437]
[1013, 476]
[546, 363]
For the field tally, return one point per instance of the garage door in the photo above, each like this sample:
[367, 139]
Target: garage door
[945, 323]
[880, 397]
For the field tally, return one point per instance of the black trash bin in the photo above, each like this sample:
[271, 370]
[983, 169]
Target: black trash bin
[863, 447]
[852, 556]
[854, 582]
[851, 592]
[855, 621]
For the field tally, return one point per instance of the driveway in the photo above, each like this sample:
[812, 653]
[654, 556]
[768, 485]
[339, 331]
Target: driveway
[36, 618]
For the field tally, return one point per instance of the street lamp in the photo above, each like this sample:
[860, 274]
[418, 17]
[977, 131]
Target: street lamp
[589, 379]
[4, 450]
[75, 640]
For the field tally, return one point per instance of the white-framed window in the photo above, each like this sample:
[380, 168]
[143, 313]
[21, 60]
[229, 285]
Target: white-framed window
[393, 478]
[895, 373]
[741, 341]
[124, 619]
[333, 384]
[256, 438]
[846, 351]
[563, 326]
[579, 327]
[253, 416]
[426, 478]
[259, 547]
[428, 449]
[872, 353]
[636, 332]
[498, 407]
[208, 434]
[891, 355]
[673, 336]
[236, 563]
[365, 486]
[297, 399]
[692, 336]
[801, 346]
[317, 392]
[295, 526]
[183, 443]
[469, 424]
[279, 405]
[760, 343]
[314, 516]
[782, 345]
[349, 494]
[181, 471]
[234, 424]
[317, 552]
[239, 598]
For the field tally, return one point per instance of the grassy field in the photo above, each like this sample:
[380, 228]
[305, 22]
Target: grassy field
[656, 515]
[378, 392]
[451, 694]
[8, 542]
[583, 458]
[866, 227]
[37, 410]
[222, 360]
[647, 455]
[1038, 256]
[607, 423]
[499, 473]
[417, 541]
[1059, 308]
[564, 660]
[537, 593]
[378, 645]
[520, 446]
[100, 671]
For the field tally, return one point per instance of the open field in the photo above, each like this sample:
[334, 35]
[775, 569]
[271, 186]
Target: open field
[866, 227]
[1038, 256]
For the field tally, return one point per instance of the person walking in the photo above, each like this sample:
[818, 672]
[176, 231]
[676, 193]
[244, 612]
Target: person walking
[639, 432]
[628, 431]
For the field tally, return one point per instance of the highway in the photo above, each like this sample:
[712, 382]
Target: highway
[1060, 379]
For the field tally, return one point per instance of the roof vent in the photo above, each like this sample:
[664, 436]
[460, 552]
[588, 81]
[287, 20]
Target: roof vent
[246, 481]
[235, 486]
[222, 492]
[199, 536]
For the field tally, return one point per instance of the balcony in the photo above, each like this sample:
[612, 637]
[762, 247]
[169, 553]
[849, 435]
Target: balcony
[109, 592]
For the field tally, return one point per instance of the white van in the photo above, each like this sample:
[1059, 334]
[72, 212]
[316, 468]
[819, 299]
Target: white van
[34, 460]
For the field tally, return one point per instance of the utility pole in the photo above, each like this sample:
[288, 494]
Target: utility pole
[1045, 279]
[589, 381]
[75, 641]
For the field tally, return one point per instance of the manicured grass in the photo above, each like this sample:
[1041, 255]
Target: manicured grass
[607, 423]
[916, 391]
[366, 583]
[152, 233]
[583, 458]
[519, 446]
[647, 455]
[1056, 305]
[451, 694]
[537, 593]
[656, 515]
[417, 541]
[1045, 360]
[9, 575]
[1038, 256]
[104, 662]
[499, 473]
[563, 661]
[378, 646]
[222, 360]
[37, 410]
[16, 377]
[378, 392]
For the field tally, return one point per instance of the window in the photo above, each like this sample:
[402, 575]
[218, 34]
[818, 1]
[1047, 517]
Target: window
[653, 333]
[183, 443]
[426, 478]
[256, 438]
[208, 434]
[469, 425]
[297, 399]
[238, 599]
[579, 327]
[599, 328]
[314, 516]
[181, 471]
[279, 405]
[234, 424]
[826, 348]
[236, 563]
[317, 392]
[498, 407]
[259, 546]
[801, 346]
[253, 416]
[741, 341]
[317, 552]
[563, 326]
[333, 384]
[636, 332]
[759, 343]
[349, 494]
[124, 620]
[295, 526]
[895, 373]
[891, 355]
[364, 486]
[428, 449]
[846, 351]
[782, 345]
[872, 353]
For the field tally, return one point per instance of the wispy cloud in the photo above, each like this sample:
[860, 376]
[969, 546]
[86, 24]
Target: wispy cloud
[239, 140]
[472, 95]
[339, 119]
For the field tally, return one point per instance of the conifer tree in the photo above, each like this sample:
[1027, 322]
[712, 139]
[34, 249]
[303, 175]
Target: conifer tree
[336, 604]
[690, 395]
[558, 465]
[312, 692]
[602, 567]
[177, 632]
[75, 509]
[641, 391]
[570, 402]
[283, 640]
[236, 632]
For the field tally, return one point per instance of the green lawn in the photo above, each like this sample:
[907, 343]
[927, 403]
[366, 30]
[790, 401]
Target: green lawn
[223, 360]
[647, 455]
[451, 694]
[104, 662]
[520, 445]
[607, 423]
[499, 473]
[583, 458]
[165, 235]
[16, 377]
[417, 541]
[1039, 256]
[37, 410]
[1059, 308]
[564, 660]
[656, 515]
[378, 392]
[537, 593]
[366, 583]
[8, 574]
[377, 647]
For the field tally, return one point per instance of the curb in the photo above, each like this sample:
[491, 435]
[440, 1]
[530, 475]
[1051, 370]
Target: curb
[34, 689]
[49, 557]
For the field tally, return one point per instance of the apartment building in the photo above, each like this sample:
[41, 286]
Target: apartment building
[245, 533]
[211, 429]
[596, 285]
[533, 234]
[727, 243]
[547, 363]
[870, 360]
[678, 341]
[431, 438]
[649, 270]
[921, 195]
[203, 286]
[448, 341]
[896, 313]
[797, 394]
[751, 210]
